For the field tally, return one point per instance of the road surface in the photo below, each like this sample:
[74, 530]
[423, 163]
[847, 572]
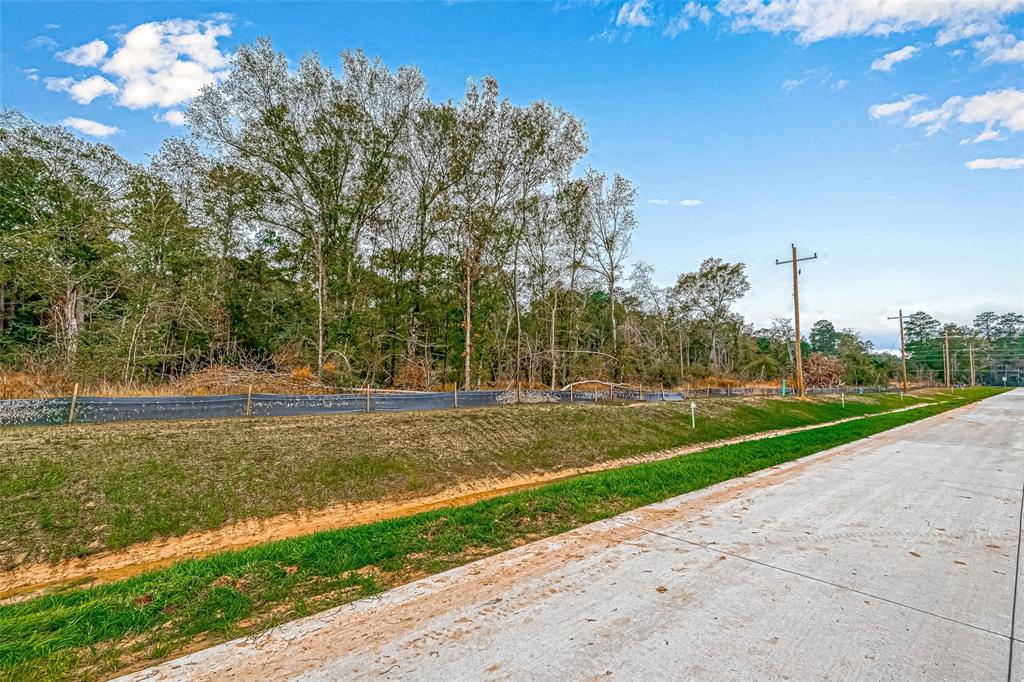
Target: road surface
[892, 558]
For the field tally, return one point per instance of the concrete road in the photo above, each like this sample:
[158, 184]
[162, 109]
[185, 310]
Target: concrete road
[893, 558]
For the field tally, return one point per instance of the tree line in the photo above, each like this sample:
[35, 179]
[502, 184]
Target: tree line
[346, 222]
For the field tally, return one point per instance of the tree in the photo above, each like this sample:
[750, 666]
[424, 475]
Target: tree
[712, 290]
[823, 337]
[921, 328]
[612, 221]
[337, 219]
[985, 325]
[166, 305]
[323, 149]
[60, 206]
[1009, 326]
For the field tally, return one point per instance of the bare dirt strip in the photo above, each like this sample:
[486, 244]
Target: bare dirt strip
[31, 579]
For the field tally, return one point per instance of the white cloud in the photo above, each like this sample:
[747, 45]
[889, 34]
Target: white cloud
[84, 125]
[174, 117]
[699, 12]
[887, 61]
[90, 54]
[59, 84]
[984, 136]
[820, 77]
[31, 74]
[999, 163]
[1004, 108]
[680, 23]
[962, 30]
[1001, 47]
[634, 13]
[815, 21]
[877, 111]
[996, 109]
[676, 25]
[44, 42]
[165, 63]
[83, 91]
[161, 63]
[52, 26]
[682, 202]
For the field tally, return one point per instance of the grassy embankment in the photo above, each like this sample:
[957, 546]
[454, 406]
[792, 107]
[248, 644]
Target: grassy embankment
[91, 632]
[69, 491]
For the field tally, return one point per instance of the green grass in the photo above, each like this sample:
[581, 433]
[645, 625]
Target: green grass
[69, 491]
[86, 633]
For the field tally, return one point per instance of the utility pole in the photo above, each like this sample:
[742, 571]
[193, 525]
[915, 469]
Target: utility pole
[970, 354]
[945, 360]
[796, 314]
[903, 348]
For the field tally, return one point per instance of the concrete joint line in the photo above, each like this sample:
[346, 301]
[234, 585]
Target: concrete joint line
[1016, 582]
[1000, 448]
[916, 478]
[798, 574]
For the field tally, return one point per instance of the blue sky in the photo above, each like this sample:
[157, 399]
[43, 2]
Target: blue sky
[764, 116]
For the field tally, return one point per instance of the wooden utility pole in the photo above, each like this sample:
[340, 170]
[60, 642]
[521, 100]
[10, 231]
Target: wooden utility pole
[796, 315]
[970, 354]
[903, 348]
[945, 360]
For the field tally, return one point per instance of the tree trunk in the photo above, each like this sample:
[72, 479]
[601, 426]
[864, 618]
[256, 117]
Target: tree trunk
[682, 372]
[74, 318]
[321, 295]
[468, 324]
[615, 330]
[515, 304]
[713, 350]
[554, 354]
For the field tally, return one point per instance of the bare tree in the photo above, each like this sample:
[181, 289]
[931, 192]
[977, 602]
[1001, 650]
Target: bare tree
[711, 290]
[322, 148]
[612, 221]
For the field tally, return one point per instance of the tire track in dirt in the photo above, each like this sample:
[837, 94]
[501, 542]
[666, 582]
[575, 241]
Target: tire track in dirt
[30, 580]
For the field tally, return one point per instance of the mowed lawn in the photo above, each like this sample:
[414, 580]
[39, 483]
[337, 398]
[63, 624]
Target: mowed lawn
[70, 491]
[92, 632]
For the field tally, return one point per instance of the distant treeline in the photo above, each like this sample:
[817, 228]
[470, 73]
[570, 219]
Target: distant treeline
[349, 224]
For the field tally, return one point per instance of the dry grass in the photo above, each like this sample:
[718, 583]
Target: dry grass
[215, 380]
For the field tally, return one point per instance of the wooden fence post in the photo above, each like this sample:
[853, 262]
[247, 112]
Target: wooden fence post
[248, 402]
[456, 395]
[74, 405]
[570, 393]
[367, 396]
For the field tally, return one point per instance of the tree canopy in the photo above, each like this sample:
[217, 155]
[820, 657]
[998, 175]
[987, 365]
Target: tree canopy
[338, 219]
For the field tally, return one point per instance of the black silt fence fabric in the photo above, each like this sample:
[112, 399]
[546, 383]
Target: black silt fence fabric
[44, 411]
